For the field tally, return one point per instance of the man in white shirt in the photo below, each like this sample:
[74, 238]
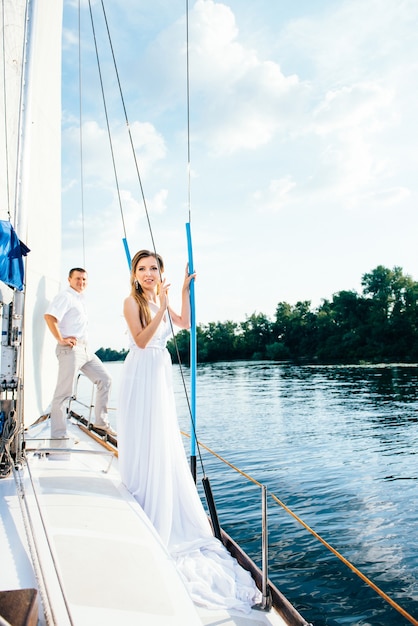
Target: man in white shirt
[67, 320]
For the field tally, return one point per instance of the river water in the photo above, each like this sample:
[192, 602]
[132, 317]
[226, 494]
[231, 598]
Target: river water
[338, 446]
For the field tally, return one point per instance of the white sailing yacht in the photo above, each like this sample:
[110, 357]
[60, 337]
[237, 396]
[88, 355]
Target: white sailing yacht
[75, 547]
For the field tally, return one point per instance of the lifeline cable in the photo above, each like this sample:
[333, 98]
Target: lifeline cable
[346, 562]
[34, 550]
[54, 562]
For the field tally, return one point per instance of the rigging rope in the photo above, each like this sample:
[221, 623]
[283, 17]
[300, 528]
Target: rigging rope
[106, 114]
[6, 436]
[129, 134]
[193, 329]
[189, 203]
[19, 121]
[190, 409]
[346, 562]
[6, 145]
[80, 87]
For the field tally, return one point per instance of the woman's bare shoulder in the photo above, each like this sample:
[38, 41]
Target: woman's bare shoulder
[130, 302]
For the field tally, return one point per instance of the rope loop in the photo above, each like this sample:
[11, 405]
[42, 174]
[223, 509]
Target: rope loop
[7, 435]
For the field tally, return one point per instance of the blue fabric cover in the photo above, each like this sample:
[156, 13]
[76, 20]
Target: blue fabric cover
[11, 252]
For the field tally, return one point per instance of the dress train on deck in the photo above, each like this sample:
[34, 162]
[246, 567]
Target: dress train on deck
[153, 466]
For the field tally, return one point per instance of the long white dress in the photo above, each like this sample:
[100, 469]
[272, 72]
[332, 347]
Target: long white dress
[154, 468]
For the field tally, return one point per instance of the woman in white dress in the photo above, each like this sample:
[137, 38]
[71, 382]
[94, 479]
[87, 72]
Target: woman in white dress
[152, 459]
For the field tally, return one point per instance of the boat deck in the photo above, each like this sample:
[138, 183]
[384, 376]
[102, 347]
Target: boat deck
[97, 557]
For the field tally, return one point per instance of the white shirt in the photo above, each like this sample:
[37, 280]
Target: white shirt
[70, 310]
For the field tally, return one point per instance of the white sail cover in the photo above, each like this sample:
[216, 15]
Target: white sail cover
[30, 166]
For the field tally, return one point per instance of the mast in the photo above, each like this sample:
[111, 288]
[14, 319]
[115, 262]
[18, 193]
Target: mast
[31, 110]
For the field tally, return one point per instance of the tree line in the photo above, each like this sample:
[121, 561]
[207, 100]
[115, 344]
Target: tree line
[380, 324]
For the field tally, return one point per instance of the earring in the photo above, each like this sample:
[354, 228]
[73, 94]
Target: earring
[136, 283]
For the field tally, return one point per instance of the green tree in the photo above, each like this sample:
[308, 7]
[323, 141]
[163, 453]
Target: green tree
[179, 346]
[403, 322]
[295, 327]
[379, 324]
[389, 291]
[108, 354]
[218, 341]
[256, 334]
[343, 329]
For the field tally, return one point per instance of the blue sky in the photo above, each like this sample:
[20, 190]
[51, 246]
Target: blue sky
[303, 132]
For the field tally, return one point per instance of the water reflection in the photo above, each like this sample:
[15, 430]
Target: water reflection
[337, 445]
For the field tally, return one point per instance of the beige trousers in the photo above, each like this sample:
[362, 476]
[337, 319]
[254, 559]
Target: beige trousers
[70, 362]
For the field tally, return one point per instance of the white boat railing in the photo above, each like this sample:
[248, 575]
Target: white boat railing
[76, 399]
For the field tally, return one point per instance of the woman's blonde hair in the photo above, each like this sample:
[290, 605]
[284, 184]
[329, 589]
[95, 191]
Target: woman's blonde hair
[136, 289]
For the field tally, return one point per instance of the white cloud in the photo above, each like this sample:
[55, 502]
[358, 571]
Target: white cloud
[303, 145]
[387, 197]
[97, 163]
[361, 105]
[278, 194]
[238, 100]
[242, 97]
[158, 203]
